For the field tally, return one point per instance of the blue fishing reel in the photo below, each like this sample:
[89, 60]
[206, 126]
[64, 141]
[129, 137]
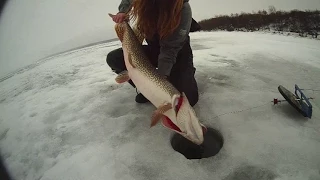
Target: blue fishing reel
[306, 106]
[298, 100]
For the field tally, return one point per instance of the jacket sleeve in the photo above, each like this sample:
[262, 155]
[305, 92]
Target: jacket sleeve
[170, 47]
[124, 6]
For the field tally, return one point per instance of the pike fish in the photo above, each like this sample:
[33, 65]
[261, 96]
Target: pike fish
[172, 107]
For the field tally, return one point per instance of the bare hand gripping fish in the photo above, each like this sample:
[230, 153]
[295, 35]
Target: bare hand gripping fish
[173, 107]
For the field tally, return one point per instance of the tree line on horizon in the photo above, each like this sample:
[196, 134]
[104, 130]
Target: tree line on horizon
[303, 22]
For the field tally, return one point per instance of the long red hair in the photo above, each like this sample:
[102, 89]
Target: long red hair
[156, 16]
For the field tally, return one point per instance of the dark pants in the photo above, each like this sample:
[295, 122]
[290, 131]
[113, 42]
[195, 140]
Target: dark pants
[182, 73]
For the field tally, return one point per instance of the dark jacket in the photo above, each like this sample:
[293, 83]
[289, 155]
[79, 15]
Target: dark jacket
[170, 47]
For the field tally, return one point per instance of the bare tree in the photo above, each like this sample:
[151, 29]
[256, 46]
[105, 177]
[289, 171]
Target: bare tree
[272, 10]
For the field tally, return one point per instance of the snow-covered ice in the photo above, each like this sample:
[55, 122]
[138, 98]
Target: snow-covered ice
[67, 118]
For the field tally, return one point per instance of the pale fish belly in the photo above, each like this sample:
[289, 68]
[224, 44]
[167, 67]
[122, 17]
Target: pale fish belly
[151, 91]
[156, 95]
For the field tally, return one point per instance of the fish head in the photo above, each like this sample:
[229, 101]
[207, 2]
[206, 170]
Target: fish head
[186, 122]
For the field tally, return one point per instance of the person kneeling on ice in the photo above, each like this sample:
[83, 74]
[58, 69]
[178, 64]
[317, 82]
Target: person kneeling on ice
[165, 25]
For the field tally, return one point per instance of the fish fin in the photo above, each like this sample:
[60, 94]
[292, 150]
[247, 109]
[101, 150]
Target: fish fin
[122, 77]
[130, 61]
[111, 15]
[158, 114]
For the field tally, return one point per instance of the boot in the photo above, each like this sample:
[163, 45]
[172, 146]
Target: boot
[141, 99]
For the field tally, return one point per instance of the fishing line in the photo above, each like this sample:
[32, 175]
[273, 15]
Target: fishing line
[311, 89]
[239, 111]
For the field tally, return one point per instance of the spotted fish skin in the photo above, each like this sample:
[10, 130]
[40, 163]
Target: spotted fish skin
[156, 88]
[140, 60]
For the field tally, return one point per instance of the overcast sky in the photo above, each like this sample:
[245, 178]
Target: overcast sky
[33, 29]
